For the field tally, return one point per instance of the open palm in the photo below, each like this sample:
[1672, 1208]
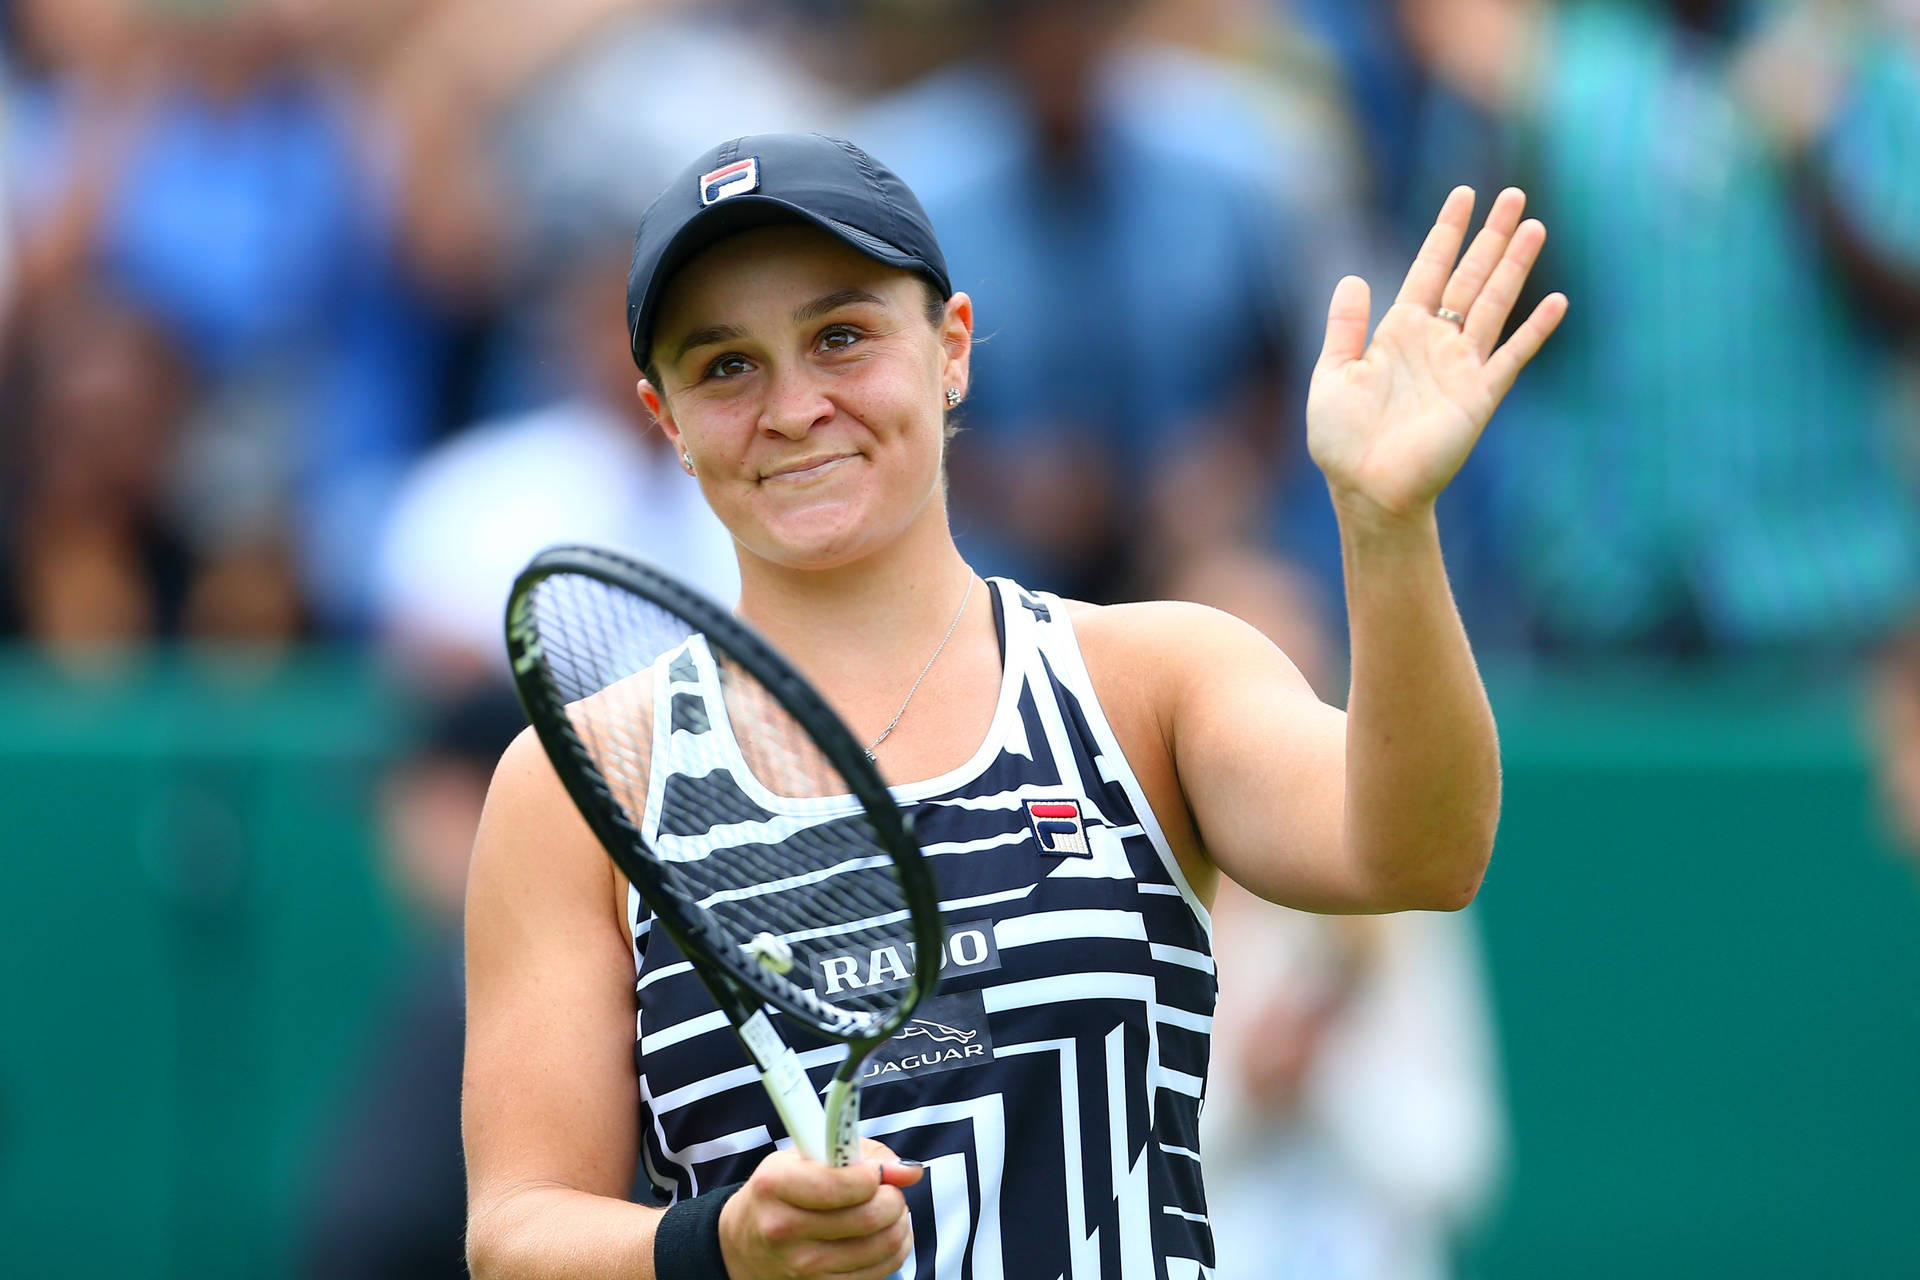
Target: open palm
[1389, 422]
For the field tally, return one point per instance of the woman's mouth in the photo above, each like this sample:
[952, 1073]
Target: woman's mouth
[807, 469]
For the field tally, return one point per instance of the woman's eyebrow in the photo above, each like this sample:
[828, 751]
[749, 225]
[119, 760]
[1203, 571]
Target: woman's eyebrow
[820, 306]
[833, 302]
[705, 337]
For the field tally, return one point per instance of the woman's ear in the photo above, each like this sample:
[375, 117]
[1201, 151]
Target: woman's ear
[956, 337]
[657, 406]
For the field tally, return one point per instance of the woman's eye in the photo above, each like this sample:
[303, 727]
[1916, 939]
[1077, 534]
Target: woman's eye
[839, 337]
[728, 366]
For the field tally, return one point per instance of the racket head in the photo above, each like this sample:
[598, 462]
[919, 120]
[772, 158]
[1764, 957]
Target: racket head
[584, 624]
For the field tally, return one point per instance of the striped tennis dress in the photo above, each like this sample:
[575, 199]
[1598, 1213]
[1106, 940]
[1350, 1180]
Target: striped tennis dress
[1052, 1083]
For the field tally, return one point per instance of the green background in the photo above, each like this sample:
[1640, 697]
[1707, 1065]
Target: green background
[1704, 959]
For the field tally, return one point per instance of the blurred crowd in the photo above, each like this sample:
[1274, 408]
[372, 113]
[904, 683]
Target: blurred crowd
[306, 325]
[309, 330]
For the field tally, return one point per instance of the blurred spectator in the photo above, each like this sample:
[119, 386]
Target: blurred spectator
[93, 562]
[68, 66]
[1710, 457]
[1359, 72]
[346, 214]
[1384, 86]
[211, 176]
[589, 468]
[201, 162]
[1115, 210]
[1349, 104]
[520, 132]
[1896, 725]
[8, 248]
[1353, 1128]
[102, 551]
[389, 1200]
[1284, 602]
[874, 47]
[512, 138]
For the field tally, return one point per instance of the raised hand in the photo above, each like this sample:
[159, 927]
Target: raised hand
[1390, 422]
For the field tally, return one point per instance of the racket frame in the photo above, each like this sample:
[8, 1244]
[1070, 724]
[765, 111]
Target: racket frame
[824, 1132]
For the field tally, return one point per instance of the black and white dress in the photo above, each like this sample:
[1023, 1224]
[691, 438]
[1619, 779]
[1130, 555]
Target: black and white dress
[1052, 1084]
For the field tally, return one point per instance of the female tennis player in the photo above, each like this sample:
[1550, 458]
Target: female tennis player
[1079, 777]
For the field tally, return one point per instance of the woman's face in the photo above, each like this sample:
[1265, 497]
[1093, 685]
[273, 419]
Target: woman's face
[807, 386]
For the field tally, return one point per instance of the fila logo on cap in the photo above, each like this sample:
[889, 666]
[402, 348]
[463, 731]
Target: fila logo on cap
[734, 179]
[1057, 829]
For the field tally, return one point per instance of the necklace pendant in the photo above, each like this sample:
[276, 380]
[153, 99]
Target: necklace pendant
[951, 628]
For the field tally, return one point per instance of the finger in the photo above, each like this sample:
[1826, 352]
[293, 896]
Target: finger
[1485, 252]
[793, 1179]
[902, 1173]
[875, 1251]
[1434, 263]
[1488, 318]
[895, 1259]
[1347, 317]
[894, 1172]
[1506, 363]
[885, 1210]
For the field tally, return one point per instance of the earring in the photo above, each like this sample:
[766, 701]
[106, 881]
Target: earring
[953, 397]
[686, 460]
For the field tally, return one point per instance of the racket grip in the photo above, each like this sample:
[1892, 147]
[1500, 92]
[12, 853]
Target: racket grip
[788, 1086]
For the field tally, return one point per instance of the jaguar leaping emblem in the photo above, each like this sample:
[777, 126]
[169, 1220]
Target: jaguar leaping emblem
[939, 1031]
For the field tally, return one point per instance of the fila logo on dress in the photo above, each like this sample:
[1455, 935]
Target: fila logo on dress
[1057, 828]
[734, 179]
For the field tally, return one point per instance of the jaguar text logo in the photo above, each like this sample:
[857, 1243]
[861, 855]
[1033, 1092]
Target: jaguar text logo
[946, 1033]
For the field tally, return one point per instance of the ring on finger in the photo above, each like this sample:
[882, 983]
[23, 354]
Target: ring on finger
[1448, 313]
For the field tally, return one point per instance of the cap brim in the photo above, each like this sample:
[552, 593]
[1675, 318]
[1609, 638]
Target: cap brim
[745, 213]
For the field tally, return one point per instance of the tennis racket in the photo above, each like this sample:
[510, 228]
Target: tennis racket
[769, 843]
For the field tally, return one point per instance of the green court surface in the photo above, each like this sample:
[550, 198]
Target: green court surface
[1705, 959]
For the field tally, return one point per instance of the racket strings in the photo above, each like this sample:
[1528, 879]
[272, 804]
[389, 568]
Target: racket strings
[741, 819]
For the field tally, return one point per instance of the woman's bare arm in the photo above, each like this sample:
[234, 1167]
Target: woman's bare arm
[550, 1105]
[1393, 805]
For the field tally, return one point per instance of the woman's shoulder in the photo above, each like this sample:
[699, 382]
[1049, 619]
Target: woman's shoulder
[1152, 630]
[532, 839]
[1156, 656]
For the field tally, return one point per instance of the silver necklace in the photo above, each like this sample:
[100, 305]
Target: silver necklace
[951, 628]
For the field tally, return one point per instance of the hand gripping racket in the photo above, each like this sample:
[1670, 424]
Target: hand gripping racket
[767, 844]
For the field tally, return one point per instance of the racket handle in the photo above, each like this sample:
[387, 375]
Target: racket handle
[788, 1086]
[842, 1122]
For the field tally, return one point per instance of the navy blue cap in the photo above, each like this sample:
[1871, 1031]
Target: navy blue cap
[770, 178]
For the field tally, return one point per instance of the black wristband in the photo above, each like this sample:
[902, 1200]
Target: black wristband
[686, 1244]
